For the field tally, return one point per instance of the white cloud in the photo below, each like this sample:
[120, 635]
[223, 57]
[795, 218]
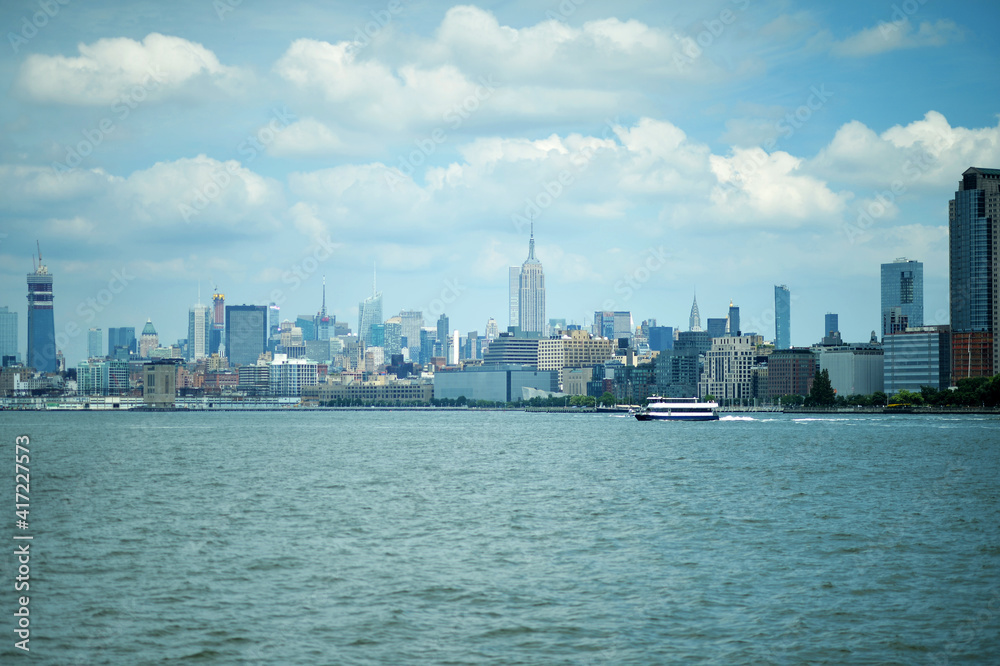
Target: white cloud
[771, 190]
[925, 153]
[304, 138]
[895, 35]
[116, 70]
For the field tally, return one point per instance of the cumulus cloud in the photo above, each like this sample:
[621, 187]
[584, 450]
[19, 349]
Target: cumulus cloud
[928, 153]
[771, 190]
[119, 69]
[305, 138]
[897, 34]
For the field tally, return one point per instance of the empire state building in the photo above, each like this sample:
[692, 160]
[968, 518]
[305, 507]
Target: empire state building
[531, 294]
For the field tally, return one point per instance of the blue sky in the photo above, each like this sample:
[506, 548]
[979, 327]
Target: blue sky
[661, 147]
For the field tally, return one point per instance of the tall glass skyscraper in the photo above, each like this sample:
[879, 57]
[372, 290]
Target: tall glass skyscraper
[121, 336]
[95, 342]
[782, 317]
[902, 296]
[531, 295]
[41, 325]
[973, 235]
[246, 333]
[8, 334]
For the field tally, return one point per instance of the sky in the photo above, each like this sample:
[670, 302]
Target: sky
[661, 149]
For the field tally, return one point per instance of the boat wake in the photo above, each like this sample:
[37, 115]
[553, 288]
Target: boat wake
[737, 418]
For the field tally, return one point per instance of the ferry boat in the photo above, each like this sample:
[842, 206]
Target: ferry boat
[677, 409]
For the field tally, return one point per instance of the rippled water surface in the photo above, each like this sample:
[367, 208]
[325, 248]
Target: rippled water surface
[507, 538]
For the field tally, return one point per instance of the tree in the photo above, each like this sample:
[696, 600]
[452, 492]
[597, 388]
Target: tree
[607, 400]
[822, 393]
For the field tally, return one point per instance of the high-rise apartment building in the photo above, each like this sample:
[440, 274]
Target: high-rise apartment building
[974, 276]
[902, 295]
[246, 333]
[531, 294]
[782, 317]
[41, 324]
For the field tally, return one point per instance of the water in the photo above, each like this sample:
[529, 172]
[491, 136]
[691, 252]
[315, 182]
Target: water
[507, 538]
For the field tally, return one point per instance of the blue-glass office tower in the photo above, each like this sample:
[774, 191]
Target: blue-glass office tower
[661, 338]
[831, 323]
[41, 325]
[782, 317]
[8, 336]
[902, 296]
[716, 327]
[734, 320]
[122, 336]
[246, 333]
[973, 237]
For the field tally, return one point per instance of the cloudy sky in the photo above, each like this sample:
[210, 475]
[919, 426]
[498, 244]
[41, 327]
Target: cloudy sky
[661, 148]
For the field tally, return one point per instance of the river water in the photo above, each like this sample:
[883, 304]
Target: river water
[506, 538]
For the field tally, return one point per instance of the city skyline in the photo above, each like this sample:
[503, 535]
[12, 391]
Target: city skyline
[728, 148]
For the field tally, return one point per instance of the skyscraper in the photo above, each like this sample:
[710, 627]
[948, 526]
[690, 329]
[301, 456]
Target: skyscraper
[831, 324]
[95, 342]
[246, 333]
[492, 330]
[902, 296]
[41, 325]
[531, 295]
[149, 340]
[8, 334]
[369, 312]
[199, 332]
[413, 321]
[442, 335]
[218, 309]
[733, 323]
[323, 324]
[121, 337]
[973, 235]
[782, 317]
[694, 321]
[604, 325]
[514, 286]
